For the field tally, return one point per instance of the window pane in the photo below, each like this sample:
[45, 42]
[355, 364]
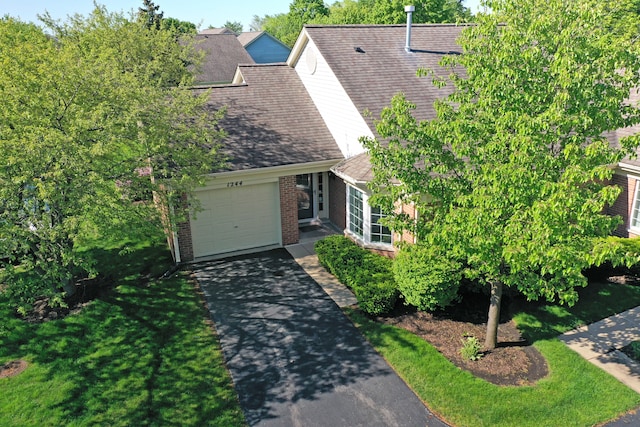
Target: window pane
[379, 233]
[635, 212]
[356, 216]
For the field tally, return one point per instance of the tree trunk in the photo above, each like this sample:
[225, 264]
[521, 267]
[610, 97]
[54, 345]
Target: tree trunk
[68, 287]
[494, 315]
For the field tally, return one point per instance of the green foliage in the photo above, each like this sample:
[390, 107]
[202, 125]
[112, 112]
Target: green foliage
[235, 26]
[149, 16]
[462, 399]
[369, 275]
[427, 278]
[95, 117]
[634, 350]
[178, 27]
[143, 355]
[516, 164]
[471, 348]
[377, 294]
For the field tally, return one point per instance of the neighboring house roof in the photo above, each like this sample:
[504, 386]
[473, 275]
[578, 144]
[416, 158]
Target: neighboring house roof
[223, 54]
[247, 38]
[271, 120]
[263, 47]
[217, 31]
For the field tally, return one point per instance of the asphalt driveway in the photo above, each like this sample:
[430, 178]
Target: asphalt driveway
[295, 359]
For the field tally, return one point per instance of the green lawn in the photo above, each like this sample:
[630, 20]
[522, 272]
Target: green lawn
[575, 393]
[143, 355]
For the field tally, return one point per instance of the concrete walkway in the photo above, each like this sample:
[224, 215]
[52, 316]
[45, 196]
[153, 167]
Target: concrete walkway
[306, 257]
[600, 344]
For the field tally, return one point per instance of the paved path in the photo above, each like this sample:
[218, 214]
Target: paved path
[305, 256]
[295, 358]
[600, 344]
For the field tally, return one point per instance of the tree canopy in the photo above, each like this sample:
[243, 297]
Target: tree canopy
[510, 178]
[287, 26]
[96, 115]
[234, 26]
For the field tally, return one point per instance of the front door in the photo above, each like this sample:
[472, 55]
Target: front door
[304, 190]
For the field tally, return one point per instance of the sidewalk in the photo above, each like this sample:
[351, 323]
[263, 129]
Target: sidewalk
[600, 344]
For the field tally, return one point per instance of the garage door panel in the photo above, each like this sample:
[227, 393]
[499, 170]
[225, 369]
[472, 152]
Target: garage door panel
[236, 218]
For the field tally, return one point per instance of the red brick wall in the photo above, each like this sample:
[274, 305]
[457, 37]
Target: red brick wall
[406, 235]
[623, 205]
[337, 201]
[185, 243]
[289, 209]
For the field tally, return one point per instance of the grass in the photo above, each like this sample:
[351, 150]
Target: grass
[575, 393]
[633, 350]
[144, 355]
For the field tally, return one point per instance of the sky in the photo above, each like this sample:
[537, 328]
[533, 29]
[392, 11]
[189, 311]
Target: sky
[203, 13]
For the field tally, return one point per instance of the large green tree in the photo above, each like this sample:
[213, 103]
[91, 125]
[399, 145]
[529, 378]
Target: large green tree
[95, 116]
[511, 176]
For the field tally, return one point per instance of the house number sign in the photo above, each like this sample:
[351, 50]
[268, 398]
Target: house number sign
[234, 184]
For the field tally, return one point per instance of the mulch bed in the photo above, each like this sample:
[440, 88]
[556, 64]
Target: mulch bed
[512, 363]
[12, 368]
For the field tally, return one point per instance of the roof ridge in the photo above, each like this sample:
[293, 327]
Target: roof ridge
[451, 24]
[268, 64]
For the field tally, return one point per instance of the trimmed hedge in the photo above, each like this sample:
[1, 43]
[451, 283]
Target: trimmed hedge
[427, 277]
[368, 275]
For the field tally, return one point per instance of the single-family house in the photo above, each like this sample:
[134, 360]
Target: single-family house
[294, 132]
[293, 137]
[280, 152]
[263, 47]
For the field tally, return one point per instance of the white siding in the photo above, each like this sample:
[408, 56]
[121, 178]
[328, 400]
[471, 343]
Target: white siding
[336, 108]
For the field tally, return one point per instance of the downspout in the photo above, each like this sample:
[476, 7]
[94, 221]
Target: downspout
[174, 235]
[409, 11]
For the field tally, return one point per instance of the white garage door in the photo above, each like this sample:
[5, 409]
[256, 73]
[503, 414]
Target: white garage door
[235, 219]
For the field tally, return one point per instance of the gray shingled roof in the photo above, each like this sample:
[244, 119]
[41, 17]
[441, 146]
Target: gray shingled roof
[384, 68]
[271, 120]
[356, 169]
[247, 38]
[372, 77]
[222, 30]
[223, 54]
[615, 137]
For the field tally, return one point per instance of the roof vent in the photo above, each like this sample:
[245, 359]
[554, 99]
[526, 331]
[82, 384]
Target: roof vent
[409, 10]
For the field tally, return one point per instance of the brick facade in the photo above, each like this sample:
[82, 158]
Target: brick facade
[289, 209]
[624, 204]
[185, 242]
[337, 201]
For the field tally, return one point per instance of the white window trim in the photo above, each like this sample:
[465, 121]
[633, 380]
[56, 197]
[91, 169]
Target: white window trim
[365, 239]
[634, 202]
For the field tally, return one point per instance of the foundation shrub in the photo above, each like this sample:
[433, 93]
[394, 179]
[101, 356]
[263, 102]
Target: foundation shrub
[368, 275]
[427, 277]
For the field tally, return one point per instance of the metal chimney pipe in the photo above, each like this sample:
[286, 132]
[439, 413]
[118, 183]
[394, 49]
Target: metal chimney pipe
[409, 11]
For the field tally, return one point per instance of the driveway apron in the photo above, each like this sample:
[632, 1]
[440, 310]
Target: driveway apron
[295, 358]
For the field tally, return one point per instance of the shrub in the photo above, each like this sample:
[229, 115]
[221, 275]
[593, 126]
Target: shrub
[368, 275]
[471, 348]
[426, 277]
